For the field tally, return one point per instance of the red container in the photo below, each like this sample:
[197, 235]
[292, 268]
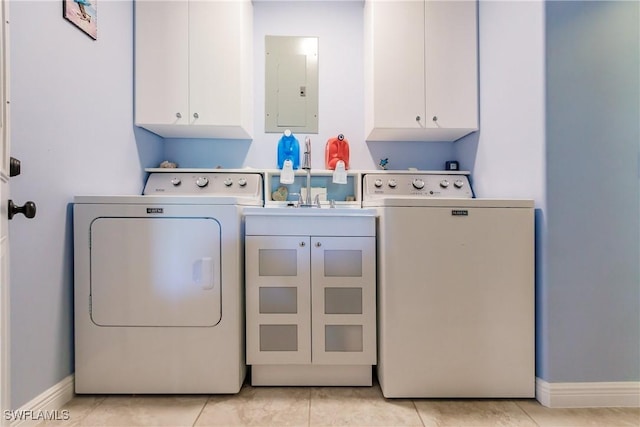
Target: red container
[337, 149]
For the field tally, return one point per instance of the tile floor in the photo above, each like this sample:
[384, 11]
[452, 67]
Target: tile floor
[328, 406]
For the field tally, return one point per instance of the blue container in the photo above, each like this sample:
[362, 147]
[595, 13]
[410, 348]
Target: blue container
[288, 149]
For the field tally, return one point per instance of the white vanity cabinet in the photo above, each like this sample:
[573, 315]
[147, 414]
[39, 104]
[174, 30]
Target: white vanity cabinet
[310, 297]
[421, 70]
[193, 68]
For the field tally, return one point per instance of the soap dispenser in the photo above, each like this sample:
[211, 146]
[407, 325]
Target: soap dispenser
[288, 149]
[337, 149]
[288, 157]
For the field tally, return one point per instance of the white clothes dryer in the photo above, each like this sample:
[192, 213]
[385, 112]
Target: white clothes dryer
[455, 288]
[159, 285]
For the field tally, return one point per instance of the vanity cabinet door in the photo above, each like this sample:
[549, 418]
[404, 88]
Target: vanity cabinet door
[343, 300]
[278, 300]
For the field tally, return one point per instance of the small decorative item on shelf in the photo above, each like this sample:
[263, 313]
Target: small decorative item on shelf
[383, 163]
[452, 165]
[168, 165]
[280, 195]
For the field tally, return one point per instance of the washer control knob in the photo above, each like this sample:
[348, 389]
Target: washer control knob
[202, 181]
[418, 184]
[392, 183]
[444, 183]
[227, 182]
[458, 183]
[378, 183]
[176, 181]
[242, 182]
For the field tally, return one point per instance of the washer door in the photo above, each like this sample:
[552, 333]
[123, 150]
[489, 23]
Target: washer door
[155, 272]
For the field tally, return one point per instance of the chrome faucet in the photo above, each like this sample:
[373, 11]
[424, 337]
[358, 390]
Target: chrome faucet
[306, 165]
[306, 162]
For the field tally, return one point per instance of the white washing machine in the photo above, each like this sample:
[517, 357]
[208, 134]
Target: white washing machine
[159, 285]
[455, 288]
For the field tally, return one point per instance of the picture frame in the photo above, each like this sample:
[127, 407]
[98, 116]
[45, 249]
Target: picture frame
[83, 14]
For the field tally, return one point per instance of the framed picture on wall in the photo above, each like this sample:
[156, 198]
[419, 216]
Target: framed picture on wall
[83, 14]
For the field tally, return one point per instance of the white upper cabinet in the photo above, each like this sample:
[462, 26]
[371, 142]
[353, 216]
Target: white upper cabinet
[421, 70]
[193, 68]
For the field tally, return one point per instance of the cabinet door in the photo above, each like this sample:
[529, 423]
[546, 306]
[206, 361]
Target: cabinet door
[397, 37]
[216, 67]
[343, 300]
[421, 72]
[278, 300]
[451, 64]
[162, 62]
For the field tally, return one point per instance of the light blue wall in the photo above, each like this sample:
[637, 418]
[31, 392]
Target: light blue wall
[72, 127]
[592, 301]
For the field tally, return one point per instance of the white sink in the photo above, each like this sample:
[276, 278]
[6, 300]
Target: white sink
[285, 221]
[293, 211]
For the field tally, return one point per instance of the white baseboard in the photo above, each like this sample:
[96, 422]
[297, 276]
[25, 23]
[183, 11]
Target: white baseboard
[44, 406]
[588, 395]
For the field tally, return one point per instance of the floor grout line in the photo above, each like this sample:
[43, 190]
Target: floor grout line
[309, 414]
[202, 410]
[85, 416]
[418, 412]
[526, 412]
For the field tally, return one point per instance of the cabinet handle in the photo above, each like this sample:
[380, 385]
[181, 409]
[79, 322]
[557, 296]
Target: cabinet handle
[195, 115]
[318, 244]
[178, 115]
[435, 118]
[417, 118]
[303, 244]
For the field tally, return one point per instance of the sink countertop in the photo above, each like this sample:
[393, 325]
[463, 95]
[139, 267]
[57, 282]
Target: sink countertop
[306, 212]
[284, 221]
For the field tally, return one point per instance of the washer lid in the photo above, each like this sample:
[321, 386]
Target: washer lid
[155, 271]
[416, 202]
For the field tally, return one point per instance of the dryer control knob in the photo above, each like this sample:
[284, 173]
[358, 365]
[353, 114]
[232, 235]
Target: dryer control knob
[459, 183]
[176, 181]
[418, 184]
[444, 183]
[228, 182]
[378, 183]
[392, 183]
[202, 181]
[242, 182]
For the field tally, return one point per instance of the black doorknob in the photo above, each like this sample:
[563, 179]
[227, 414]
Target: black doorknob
[28, 209]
